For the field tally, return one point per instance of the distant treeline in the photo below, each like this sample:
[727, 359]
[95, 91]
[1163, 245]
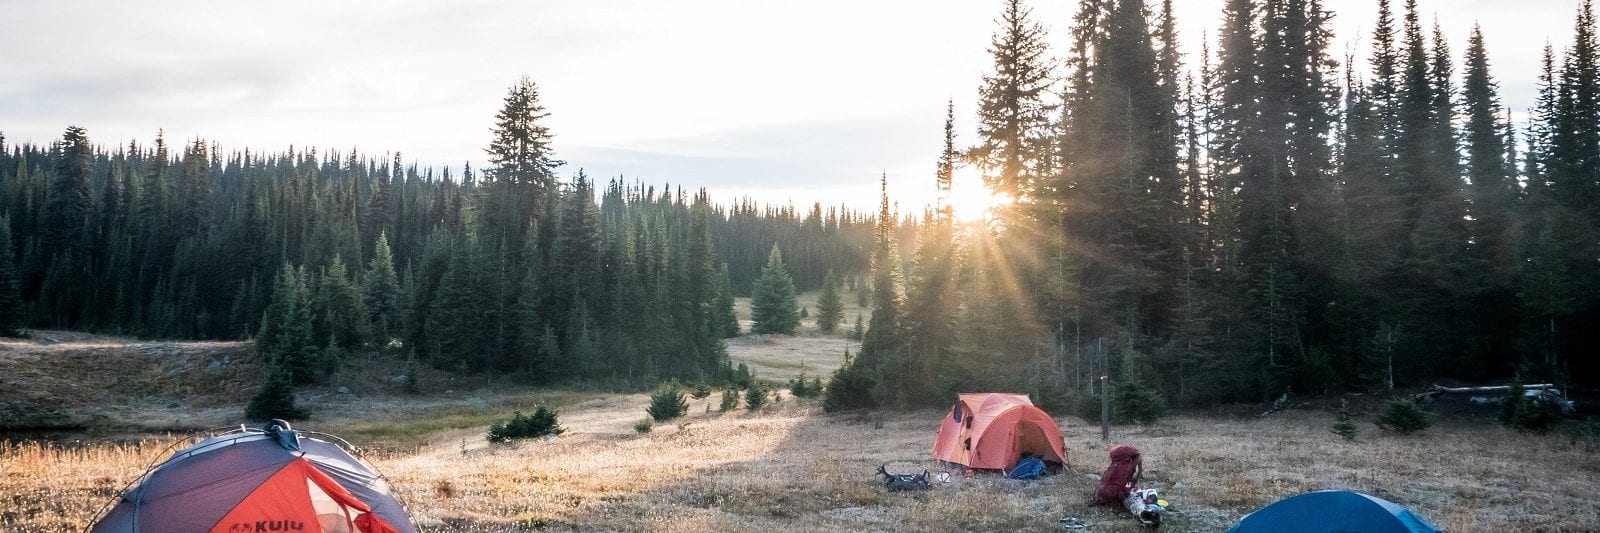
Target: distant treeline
[512, 269]
[1260, 218]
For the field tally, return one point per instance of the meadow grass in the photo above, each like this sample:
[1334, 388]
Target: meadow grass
[792, 468]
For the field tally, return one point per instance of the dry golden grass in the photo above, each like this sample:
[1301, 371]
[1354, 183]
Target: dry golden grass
[790, 468]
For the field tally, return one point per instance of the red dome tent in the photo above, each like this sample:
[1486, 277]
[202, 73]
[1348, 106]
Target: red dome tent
[993, 430]
[259, 480]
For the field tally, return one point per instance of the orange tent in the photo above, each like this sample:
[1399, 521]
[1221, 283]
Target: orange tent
[994, 430]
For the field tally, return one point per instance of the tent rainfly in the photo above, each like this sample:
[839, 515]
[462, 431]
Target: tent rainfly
[1334, 511]
[993, 430]
[273, 479]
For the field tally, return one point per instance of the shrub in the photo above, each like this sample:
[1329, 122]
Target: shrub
[850, 388]
[755, 397]
[1403, 416]
[741, 376]
[1088, 407]
[1130, 403]
[1342, 426]
[700, 392]
[668, 403]
[275, 400]
[540, 424]
[644, 426]
[1586, 434]
[1135, 402]
[1519, 411]
[800, 388]
[729, 400]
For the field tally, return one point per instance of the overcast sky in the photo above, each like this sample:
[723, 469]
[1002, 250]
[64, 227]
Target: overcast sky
[778, 100]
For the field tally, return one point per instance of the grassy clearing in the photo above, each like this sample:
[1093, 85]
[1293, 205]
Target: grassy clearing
[809, 350]
[425, 426]
[790, 468]
[808, 325]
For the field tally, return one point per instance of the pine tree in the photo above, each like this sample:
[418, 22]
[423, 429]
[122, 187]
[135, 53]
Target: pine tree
[1404, 417]
[1575, 129]
[1122, 134]
[12, 316]
[772, 301]
[725, 319]
[667, 403]
[522, 154]
[1494, 187]
[1012, 115]
[381, 293]
[193, 216]
[881, 343]
[68, 203]
[454, 324]
[930, 300]
[286, 339]
[830, 310]
[1342, 425]
[343, 312]
[275, 400]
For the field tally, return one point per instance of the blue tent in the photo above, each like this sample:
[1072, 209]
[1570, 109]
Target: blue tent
[1333, 511]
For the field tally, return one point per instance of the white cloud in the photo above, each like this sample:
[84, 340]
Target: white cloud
[774, 99]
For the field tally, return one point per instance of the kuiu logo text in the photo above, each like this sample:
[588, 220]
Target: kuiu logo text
[268, 525]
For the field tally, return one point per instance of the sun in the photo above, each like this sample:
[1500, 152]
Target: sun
[970, 199]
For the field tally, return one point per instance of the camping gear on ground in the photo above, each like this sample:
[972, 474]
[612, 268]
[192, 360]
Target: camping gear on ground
[271, 479]
[1121, 477]
[1147, 505]
[1030, 467]
[1073, 522]
[995, 430]
[1329, 511]
[1119, 485]
[903, 482]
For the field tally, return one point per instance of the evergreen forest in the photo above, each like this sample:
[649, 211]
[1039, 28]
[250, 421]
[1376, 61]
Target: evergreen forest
[1268, 216]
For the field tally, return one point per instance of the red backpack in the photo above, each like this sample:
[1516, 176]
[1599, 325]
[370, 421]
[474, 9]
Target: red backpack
[1119, 478]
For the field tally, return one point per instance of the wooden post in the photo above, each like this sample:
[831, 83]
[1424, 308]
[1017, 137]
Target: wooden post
[1105, 392]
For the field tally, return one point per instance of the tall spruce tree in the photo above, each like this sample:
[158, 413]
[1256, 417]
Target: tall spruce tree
[523, 176]
[68, 203]
[381, 292]
[830, 308]
[1013, 117]
[454, 321]
[726, 320]
[286, 339]
[1494, 188]
[930, 301]
[11, 308]
[881, 345]
[772, 301]
[340, 304]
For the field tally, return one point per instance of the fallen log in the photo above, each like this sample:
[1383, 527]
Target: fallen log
[1437, 390]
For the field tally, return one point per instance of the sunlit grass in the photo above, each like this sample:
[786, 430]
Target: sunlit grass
[790, 468]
